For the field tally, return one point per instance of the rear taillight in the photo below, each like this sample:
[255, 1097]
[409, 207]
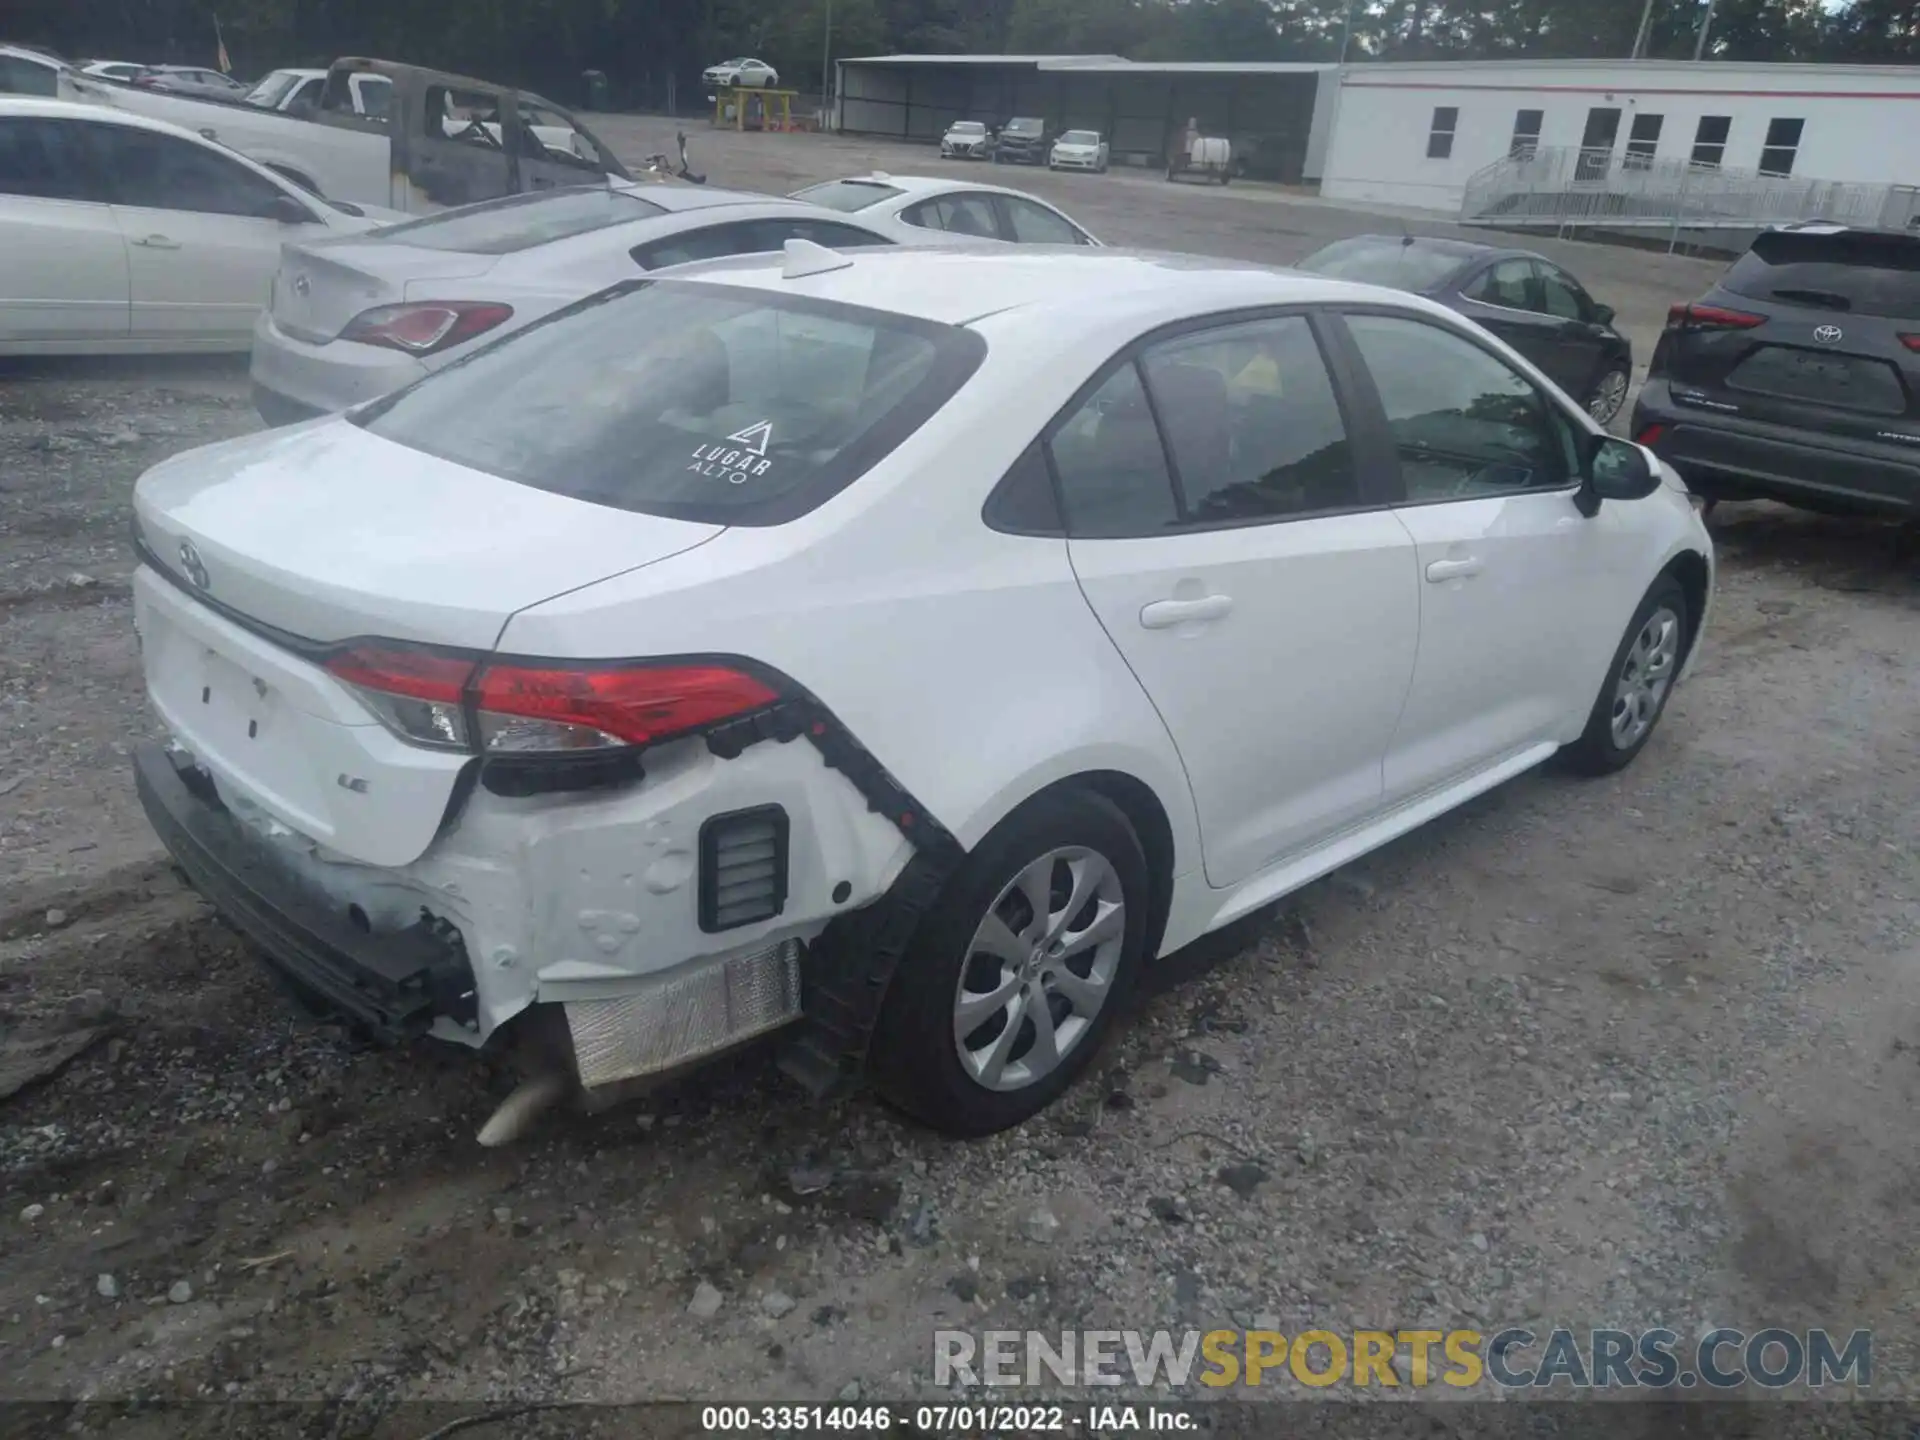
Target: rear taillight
[1650, 436]
[1711, 317]
[532, 709]
[422, 327]
[1912, 342]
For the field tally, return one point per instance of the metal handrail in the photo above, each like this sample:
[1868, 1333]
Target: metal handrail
[1566, 187]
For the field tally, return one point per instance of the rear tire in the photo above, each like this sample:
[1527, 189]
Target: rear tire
[1638, 684]
[986, 961]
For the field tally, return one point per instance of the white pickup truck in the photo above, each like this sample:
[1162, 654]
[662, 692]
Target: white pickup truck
[444, 139]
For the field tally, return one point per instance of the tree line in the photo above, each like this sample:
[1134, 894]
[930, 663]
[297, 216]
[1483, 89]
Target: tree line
[639, 44]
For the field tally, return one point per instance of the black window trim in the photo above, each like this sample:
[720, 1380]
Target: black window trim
[1367, 396]
[1373, 458]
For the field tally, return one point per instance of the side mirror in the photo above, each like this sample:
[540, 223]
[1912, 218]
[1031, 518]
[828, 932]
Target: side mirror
[1602, 314]
[288, 211]
[1616, 470]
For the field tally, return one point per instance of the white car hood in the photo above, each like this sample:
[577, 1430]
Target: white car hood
[326, 532]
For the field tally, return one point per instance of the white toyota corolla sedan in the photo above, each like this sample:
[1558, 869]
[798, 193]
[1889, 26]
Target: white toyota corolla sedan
[905, 648]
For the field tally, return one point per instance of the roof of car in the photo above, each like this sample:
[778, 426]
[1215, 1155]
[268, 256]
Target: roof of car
[83, 110]
[924, 184]
[700, 197]
[960, 284]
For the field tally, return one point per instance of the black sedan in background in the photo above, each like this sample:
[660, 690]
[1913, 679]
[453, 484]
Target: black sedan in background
[1528, 301]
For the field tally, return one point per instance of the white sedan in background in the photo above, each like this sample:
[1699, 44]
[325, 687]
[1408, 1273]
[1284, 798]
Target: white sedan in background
[906, 204]
[1079, 150]
[742, 72]
[121, 234]
[906, 646]
[354, 318]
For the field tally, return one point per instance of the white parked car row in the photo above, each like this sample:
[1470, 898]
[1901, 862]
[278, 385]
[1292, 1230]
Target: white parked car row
[906, 646]
[122, 234]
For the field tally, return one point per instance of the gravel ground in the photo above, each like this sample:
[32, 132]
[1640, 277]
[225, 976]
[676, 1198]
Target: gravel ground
[1638, 1051]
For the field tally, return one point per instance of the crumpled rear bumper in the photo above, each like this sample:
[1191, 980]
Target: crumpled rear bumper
[390, 985]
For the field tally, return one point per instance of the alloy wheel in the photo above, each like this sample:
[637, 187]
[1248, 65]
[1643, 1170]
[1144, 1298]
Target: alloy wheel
[1645, 675]
[1039, 968]
[1608, 396]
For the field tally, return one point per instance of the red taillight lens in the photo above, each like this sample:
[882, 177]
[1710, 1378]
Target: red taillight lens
[426, 326]
[427, 696]
[1912, 342]
[1711, 317]
[1651, 435]
[534, 708]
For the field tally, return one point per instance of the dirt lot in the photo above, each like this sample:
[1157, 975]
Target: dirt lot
[1640, 1051]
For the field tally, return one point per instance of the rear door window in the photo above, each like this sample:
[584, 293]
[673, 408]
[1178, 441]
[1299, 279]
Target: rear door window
[24, 77]
[966, 214]
[1034, 224]
[1861, 272]
[701, 402]
[1509, 284]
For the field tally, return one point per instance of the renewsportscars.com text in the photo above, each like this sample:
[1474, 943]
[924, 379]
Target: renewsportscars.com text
[1510, 1359]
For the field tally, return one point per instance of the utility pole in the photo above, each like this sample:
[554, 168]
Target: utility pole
[1706, 24]
[826, 67]
[1346, 32]
[1643, 34]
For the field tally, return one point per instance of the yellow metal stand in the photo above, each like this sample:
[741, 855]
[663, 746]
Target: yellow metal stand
[752, 107]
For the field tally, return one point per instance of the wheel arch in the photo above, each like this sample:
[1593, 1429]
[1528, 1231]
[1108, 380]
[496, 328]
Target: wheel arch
[1690, 568]
[1135, 800]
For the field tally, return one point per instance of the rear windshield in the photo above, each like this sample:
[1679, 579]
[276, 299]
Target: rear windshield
[1384, 262]
[702, 402]
[520, 222]
[848, 195]
[1864, 272]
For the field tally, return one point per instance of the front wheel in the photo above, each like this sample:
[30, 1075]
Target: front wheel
[1018, 971]
[1638, 684]
[1608, 395]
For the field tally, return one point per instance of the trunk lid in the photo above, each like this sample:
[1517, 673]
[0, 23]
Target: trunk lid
[326, 532]
[1808, 330]
[322, 284]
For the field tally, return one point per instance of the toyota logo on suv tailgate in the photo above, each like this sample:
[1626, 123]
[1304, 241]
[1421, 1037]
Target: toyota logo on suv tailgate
[1828, 334]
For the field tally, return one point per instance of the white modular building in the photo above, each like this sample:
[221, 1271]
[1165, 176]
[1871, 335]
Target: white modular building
[1416, 134]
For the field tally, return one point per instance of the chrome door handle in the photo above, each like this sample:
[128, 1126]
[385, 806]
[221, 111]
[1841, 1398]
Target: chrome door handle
[1165, 614]
[1466, 569]
[158, 242]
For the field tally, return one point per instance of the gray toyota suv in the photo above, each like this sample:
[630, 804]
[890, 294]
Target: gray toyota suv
[1797, 377]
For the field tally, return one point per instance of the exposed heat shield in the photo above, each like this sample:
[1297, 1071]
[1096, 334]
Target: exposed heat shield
[687, 1015]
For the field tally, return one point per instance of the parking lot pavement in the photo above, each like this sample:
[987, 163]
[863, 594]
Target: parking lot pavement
[1636, 1051]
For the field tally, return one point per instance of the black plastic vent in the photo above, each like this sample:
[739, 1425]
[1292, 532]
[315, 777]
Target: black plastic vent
[743, 867]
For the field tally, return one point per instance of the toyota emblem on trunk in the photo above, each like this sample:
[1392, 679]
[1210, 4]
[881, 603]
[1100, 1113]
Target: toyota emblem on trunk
[190, 562]
[1828, 334]
[301, 285]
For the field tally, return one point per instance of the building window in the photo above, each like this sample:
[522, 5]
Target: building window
[1526, 133]
[1446, 118]
[1710, 140]
[1783, 142]
[1642, 141]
